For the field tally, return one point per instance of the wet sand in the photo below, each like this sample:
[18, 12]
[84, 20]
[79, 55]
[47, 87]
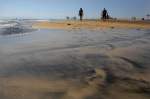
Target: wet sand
[108, 63]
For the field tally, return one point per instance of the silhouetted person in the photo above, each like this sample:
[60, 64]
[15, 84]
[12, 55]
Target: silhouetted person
[105, 14]
[81, 14]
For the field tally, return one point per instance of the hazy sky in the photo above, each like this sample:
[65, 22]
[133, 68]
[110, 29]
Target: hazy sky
[63, 8]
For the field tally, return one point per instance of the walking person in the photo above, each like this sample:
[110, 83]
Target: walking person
[104, 14]
[81, 13]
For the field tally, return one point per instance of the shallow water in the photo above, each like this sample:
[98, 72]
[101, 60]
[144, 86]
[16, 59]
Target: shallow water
[75, 64]
[65, 39]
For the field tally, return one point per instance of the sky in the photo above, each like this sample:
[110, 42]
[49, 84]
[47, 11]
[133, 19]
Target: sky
[55, 9]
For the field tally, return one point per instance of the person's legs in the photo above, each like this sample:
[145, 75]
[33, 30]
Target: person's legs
[103, 17]
[81, 17]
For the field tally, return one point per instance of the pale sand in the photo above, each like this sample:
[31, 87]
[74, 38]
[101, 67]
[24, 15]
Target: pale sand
[92, 24]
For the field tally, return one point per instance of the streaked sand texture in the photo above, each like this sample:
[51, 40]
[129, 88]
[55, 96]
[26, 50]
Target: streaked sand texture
[62, 63]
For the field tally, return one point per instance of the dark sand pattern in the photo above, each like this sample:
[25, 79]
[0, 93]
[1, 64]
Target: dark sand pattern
[75, 64]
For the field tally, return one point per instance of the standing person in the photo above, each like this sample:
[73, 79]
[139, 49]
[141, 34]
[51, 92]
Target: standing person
[104, 14]
[81, 14]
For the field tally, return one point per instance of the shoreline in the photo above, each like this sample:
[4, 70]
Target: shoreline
[92, 24]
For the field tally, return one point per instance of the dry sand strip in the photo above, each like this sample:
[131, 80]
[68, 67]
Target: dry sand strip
[92, 24]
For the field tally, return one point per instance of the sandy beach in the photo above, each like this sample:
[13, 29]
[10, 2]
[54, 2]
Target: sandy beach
[74, 60]
[93, 24]
[74, 49]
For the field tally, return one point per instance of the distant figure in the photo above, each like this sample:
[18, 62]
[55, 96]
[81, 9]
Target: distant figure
[105, 14]
[81, 14]
[133, 18]
[67, 17]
